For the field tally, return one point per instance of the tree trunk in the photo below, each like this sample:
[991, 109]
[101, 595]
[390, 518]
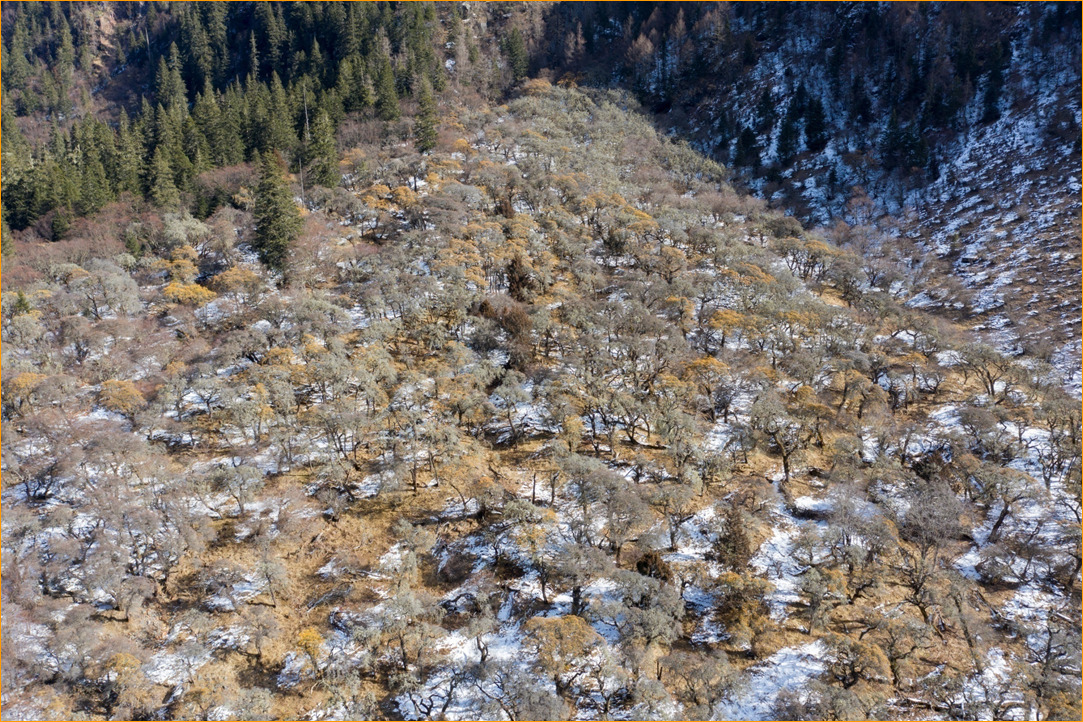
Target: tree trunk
[994, 533]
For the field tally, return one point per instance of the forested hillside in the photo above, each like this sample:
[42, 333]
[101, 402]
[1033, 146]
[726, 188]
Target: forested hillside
[942, 136]
[363, 361]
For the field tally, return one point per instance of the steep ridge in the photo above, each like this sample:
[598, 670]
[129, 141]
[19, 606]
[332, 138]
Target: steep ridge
[956, 128]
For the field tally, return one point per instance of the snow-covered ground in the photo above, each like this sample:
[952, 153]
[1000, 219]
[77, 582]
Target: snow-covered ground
[791, 668]
[775, 560]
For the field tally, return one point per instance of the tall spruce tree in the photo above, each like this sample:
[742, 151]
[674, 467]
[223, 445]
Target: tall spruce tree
[208, 118]
[253, 60]
[515, 49]
[196, 147]
[271, 27]
[321, 155]
[346, 81]
[62, 182]
[162, 190]
[19, 68]
[280, 134]
[993, 87]
[95, 190]
[65, 54]
[130, 157]
[7, 246]
[765, 110]
[17, 158]
[387, 97]
[747, 152]
[787, 139]
[25, 199]
[425, 125]
[816, 125]
[892, 142]
[168, 82]
[231, 126]
[278, 221]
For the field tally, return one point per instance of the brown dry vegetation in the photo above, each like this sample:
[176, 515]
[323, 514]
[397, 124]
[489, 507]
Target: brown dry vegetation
[395, 407]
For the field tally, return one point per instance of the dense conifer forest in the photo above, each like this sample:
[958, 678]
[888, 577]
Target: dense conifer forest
[541, 361]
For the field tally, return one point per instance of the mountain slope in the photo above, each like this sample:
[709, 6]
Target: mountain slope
[397, 381]
[938, 122]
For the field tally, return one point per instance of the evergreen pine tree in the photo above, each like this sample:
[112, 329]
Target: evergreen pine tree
[22, 303]
[254, 102]
[103, 141]
[168, 82]
[298, 63]
[162, 191]
[253, 60]
[746, 153]
[329, 101]
[800, 101]
[748, 55]
[279, 134]
[196, 147]
[130, 154]
[521, 283]
[346, 84]
[25, 200]
[169, 138]
[891, 143]
[7, 246]
[58, 140]
[835, 58]
[321, 156]
[19, 67]
[208, 119]
[387, 97]
[993, 88]
[278, 221]
[231, 126]
[54, 94]
[16, 150]
[861, 108]
[425, 126]
[146, 124]
[316, 65]
[932, 170]
[65, 54]
[61, 183]
[345, 43]
[816, 126]
[366, 93]
[733, 550]
[787, 139]
[454, 27]
[179, 96]
[917, 149]
[271, 29]
[724, 130]
[94, 191]
[765, 110]
[197, 47]
[60, 226]
[515, 49]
